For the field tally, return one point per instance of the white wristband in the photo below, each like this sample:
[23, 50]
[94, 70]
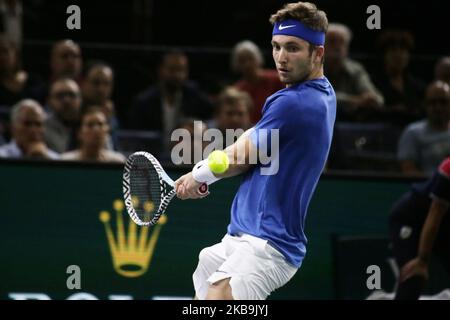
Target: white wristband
[203, 174]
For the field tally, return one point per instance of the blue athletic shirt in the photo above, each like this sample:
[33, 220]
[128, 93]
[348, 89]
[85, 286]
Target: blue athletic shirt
[273, 207]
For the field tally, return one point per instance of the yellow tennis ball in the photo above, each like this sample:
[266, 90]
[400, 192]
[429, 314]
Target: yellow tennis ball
[218, 161]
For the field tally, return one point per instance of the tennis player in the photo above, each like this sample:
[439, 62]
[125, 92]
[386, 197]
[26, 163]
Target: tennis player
[266, 243]
[419, 227]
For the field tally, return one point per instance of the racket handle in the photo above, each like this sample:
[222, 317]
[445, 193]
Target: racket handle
[203, 188]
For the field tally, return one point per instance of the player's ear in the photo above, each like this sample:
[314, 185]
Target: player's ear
[320, 51]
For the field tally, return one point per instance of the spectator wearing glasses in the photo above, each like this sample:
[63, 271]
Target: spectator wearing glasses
[27, 124]
[65, 103]
[92, 136]
[425, 144]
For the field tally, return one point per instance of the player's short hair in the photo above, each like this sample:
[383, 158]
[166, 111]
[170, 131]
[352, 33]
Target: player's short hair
[305, 12]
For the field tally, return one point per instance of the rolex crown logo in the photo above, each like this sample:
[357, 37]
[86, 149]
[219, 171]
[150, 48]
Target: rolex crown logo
[131, 251]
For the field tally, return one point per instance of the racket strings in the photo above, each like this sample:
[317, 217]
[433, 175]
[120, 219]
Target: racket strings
[146, 189]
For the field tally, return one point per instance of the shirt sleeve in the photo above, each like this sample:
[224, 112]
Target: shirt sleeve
[275, 119]
[441, 188]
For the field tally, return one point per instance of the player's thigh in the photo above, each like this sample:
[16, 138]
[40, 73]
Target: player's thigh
[209, 259]
[254, 272]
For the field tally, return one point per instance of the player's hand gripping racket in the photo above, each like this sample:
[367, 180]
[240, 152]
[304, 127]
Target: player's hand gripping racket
[147, 189]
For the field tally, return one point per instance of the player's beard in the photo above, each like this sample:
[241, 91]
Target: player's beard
[304, 69]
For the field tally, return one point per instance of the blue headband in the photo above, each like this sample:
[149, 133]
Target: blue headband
[295, 28]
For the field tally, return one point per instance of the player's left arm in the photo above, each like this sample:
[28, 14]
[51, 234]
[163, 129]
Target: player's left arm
[239, 162]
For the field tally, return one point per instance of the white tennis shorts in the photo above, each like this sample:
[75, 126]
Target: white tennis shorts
[254, 267]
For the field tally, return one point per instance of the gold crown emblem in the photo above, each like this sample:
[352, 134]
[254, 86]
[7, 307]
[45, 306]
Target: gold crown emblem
[131, 251]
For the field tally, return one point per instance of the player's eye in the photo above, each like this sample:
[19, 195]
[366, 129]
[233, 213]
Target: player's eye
[292, 48]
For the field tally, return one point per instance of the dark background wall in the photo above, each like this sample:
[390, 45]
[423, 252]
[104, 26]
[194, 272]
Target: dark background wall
[222, 23]
[131, 35]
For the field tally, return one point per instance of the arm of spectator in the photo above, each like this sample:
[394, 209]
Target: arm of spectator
[370, 96]
[38, 150]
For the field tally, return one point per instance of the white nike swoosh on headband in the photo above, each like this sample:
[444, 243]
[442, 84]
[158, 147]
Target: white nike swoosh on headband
[280, 27]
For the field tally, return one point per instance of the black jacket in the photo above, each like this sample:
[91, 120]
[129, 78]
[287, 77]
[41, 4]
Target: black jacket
[146, 113]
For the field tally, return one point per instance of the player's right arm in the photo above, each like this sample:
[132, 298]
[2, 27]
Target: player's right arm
[239, 161]
[438, 209]
[239, 155]
[419, 265]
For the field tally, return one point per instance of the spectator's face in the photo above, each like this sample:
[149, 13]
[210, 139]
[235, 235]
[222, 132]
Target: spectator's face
[397, 57]
[98, 85]
[246, 63]
[443, 71]
[336, 47]
[66, 60]
[292, 58]
[65, 100]
[29, 126]
[94, 130]
[437, 102]
[233, 116]
[7, 58]
[174, 71]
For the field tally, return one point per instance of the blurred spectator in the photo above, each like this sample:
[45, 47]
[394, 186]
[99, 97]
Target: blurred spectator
[357, 97]
[97, 90]
[161, 106]
[442, 70]
[27, 124]
[66, 60]
[196, 144]
[403, 93]
[65, 103]
[92, 136]
[15, 83]
[424, 144]
[233, 110]
[247, 60]
[11, 20]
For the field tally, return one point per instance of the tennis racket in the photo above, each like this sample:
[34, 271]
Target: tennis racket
[147, 189]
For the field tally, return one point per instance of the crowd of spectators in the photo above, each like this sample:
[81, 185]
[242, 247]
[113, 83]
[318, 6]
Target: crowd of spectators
[387, 118]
